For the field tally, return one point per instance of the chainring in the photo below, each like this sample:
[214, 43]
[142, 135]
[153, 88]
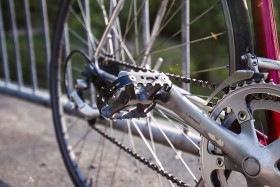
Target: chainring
[238, 104]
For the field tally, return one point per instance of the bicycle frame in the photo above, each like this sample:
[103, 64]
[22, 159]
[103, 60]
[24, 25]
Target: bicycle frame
[267, 46]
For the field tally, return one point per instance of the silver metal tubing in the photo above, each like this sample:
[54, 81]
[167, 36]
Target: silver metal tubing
[30, 45]
[228, 141]
[89, 51]
[46, 36]
[175, 136]
[41, 97]
[108, 28]
[66, 49]
[4, 48]
[146, 28]
[186, 39]
[266, 64]
[156, 27]
[16, 43]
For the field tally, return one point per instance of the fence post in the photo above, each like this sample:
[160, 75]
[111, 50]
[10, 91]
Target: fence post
[4, 49]
[29, 33]
[16, 44]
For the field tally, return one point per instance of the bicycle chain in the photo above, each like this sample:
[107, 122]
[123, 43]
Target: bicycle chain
[180, 78]
[142, 159]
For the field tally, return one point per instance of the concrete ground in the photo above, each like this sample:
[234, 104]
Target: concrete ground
[29, 154]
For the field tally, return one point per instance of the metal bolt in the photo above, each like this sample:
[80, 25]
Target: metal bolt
[251, 166]
[163, 78]
[254, 63]
[132, 78]
[242, 115]
[220, 162]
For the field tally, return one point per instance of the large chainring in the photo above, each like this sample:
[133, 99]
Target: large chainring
[238, 106]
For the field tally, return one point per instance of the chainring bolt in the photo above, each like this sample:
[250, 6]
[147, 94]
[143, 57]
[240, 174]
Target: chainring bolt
[220, 162]
[242, 115]
[132, 78]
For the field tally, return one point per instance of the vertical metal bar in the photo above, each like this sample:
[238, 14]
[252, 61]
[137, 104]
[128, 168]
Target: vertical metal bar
[46, 36]
[66, 53]
[16, 43]
[146, 28]
[186, 40]
[155, 30]
[30, 45]
[87, 16]
[267, 46]
[4, 48]
[88, 45]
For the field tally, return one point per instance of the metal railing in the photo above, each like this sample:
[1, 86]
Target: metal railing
[22, 72]
[20, 75]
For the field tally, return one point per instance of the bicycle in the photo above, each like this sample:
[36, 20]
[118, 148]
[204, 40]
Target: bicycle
[230, 143]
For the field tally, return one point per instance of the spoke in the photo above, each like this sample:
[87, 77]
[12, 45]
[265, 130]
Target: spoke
[172, 123]
[156, 27]
[108, 28]
[116, 162]
[136, 29]
[171, 17]
[77, 36]
[153, 143]
[204, 13]
[262, 127]
[147, 144]
[72, 125]
[85, 26]
[207, 37]
[191, 42]
[131, 141]
[91, 165]
[100, 161]
[77, 69]
[169, 10]
[82, 147]
[174, 149]
[82, 138]
[209, 69]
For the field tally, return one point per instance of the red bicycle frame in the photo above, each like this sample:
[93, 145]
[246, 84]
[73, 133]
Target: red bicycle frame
[267, 46]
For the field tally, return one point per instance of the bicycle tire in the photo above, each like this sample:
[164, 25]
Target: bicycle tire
[242, 38]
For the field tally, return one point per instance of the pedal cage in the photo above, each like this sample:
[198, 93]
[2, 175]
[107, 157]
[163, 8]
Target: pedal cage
[132, 95]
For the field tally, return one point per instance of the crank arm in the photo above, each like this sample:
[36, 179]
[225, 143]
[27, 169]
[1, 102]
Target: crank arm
[226, 140]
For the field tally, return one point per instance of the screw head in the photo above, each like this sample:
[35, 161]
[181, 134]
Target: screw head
[220, 162]
[242, 115]
[132, 78]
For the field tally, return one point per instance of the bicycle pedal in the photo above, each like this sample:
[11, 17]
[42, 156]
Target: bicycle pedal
[132, 95]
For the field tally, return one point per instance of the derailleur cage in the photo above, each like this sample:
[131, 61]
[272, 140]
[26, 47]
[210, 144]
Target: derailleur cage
[132, 95]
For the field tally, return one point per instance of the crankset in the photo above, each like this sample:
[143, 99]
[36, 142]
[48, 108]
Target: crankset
[239, 104]
[133, 94]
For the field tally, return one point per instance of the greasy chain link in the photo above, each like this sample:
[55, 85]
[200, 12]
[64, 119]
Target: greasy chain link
[204, 84]
[142, 159]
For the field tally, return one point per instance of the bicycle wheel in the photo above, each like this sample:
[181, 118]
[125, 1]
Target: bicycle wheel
[80, 26]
